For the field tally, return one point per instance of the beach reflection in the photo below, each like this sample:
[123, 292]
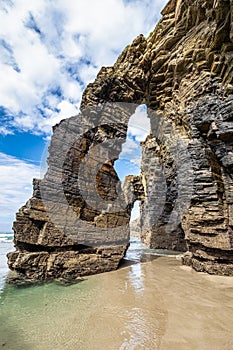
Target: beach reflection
[157, 305]
[136, 278]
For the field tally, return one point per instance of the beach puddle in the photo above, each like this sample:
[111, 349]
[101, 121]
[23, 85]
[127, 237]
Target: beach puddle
[154, 304]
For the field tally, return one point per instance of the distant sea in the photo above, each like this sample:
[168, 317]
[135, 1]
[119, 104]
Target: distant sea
[6, 237]
[6, 245]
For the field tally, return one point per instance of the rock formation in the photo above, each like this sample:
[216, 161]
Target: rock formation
[183, 72]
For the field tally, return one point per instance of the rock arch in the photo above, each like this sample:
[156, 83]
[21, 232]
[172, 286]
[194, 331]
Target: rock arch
[183, 72]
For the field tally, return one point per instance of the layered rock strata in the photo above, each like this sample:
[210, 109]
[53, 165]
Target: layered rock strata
[65, 231]
[183, 72]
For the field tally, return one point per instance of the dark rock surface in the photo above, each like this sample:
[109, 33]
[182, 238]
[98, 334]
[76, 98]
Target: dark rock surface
[184, 74]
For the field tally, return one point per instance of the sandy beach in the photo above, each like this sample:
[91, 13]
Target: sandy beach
[154, 305]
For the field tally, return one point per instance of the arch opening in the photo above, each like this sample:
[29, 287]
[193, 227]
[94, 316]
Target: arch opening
[128, 166]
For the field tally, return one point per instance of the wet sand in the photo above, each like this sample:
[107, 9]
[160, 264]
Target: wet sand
[154, 305]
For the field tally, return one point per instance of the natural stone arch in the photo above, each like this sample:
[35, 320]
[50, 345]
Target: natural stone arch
[184, 73]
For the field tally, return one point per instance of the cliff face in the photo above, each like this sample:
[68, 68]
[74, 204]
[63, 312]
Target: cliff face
[184, 74]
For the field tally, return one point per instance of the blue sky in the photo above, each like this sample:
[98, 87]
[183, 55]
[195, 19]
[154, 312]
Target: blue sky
[49, 52]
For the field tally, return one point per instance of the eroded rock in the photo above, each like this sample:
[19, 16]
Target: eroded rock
[184, 74]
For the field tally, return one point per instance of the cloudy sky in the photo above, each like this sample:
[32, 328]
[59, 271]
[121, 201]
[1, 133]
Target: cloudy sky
[49, 51]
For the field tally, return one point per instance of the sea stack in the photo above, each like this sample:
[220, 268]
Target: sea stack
[183, 73]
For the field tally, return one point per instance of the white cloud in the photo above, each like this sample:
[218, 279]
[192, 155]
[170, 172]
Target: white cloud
[4, 131]
[130, 156]
[139, 124]
[65, 109]
[135, 211]
[16, 187]
[138, 129]
[51, 50]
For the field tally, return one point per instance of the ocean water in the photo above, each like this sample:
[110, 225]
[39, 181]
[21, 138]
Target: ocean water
[6, 237]
[152, 302]
[6, 245]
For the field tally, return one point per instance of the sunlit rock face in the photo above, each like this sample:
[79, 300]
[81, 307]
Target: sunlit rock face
[183, 72]
[77, 222]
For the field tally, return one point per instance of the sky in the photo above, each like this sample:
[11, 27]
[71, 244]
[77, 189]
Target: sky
[49, 51]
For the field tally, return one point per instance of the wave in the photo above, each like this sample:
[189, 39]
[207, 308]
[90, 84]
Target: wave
[6, 237]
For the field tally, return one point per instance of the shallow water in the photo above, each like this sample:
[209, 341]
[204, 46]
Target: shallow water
[158, 304]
